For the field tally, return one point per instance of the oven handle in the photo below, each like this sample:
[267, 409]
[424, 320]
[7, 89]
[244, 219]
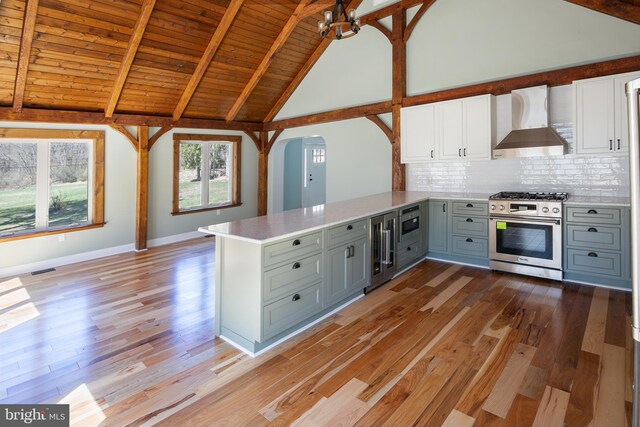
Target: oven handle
[527, 221]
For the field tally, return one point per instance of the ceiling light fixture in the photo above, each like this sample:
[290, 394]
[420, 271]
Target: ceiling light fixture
[337, 24]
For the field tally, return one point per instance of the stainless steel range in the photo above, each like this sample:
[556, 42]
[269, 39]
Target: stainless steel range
[525, 233]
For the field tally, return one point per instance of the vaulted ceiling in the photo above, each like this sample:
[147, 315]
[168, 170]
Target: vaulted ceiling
[233, 60]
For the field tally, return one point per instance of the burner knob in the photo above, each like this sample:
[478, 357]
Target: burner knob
[556, 210]
[545, 209]
[493, 207]
[501, 207]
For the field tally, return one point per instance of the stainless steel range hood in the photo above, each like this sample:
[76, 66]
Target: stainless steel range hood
[531, 134]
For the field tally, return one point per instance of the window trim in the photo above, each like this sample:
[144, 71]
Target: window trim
[235, 141]
[96, 183]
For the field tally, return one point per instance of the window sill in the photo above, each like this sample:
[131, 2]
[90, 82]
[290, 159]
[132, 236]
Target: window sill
[29, 235]
[209, 208]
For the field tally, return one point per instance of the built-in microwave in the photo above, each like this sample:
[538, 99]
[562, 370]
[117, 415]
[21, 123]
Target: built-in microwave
[409, 223]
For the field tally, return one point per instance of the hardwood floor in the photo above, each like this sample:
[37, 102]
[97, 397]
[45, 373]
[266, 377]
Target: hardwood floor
[128, 340]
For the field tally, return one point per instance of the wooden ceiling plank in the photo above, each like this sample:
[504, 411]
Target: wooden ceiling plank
[318, 6]
[266, 61]
[207, 56]
[615, 8]
[302, 73]
[28, 30]
[127, 60]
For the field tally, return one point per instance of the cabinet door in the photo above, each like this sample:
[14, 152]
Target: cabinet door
[357, 266]
[337, 274]
[418, 136]
[438, 226]
[477, 127]
[621, 117]
[450, 135]
[594, 116]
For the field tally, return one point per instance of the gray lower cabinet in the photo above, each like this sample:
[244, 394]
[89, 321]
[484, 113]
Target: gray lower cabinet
[438, 226]
[346, 271]
[597, 246]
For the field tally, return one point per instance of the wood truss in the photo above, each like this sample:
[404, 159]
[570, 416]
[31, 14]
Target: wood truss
[203, 65]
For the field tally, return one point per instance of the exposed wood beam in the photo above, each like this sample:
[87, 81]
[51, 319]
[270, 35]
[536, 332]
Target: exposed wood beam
[263, 173]
[551, 78]
[398, 90]
[129, 55]
[142, 188]
[302, 73]
[85, 117]
[618, 9]
[127, 134]
[384, 30]
[28, 30]
[255, 138]
[382, 125]
[156, 136]
[286, 31]
[273, 140]
[414, 21]
[330, 116]
[316, 7]
[388, 11]
[207, 57]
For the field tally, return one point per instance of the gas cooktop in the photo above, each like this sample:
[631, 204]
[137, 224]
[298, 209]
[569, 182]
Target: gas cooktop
[525, 195]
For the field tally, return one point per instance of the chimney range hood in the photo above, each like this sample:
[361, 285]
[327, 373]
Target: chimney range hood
[531, 134]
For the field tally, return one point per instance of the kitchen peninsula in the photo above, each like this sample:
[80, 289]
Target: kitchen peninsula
[272, 272]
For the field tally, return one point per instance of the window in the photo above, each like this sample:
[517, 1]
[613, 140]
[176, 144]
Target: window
[317, 155]
[51, 181]
[206, 172]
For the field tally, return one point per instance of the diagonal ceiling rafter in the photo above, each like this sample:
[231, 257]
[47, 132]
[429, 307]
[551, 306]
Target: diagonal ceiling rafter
[28, 30]
[207, 57]
[129, 55]
[616, 8]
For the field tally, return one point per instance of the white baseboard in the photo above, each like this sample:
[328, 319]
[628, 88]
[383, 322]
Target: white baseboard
[88, 256]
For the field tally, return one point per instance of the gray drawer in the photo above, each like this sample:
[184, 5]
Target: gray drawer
[594, 237]
[593, 215]
[470, 226]
[347, 232]
[469, 246]
[470, 208]
[292, 277]
[599, 262]
[292, 249]
[407, 253]
[291, 310]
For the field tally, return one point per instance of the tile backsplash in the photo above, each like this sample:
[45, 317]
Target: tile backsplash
[596, 175]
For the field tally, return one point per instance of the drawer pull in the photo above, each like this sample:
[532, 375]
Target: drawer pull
[469, 205]
[593, 254]
[592, 230]
[592, 211]
[296, 243]
[349, 227]
[296, 265]
[296, 297]
[469, 220]
[470, 240]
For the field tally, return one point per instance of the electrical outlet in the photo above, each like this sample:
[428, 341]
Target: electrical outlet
[61, 237]
[218, 212]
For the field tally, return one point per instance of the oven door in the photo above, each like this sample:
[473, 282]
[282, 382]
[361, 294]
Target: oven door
[536, 242]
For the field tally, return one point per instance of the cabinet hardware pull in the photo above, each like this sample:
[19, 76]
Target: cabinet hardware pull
[349, 227]
[469, 205]
[444, 205]
[464, 152]
[592, 254]
[348, 253]
[295, 243]
[470, 240]
[296, 297]
[296, 265]
[592, 211]
[611, 144]
[469, 220]
[459, 152]
[592, 230]
[353, 251]
[432, 154]
[618, 143]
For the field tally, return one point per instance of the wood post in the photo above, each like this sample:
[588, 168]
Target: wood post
[142, 187]
[263, 173]
[399, 73]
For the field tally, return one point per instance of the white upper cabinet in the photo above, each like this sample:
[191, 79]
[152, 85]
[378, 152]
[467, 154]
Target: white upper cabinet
[449, 130]
[418, 134]
[601, 114]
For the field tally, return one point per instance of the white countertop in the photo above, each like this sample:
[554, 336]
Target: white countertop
[598, 200]
[264, 229]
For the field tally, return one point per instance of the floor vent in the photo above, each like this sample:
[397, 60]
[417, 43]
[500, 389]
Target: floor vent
[46, 270]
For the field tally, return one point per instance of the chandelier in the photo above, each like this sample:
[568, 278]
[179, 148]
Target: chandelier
[337, 24]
